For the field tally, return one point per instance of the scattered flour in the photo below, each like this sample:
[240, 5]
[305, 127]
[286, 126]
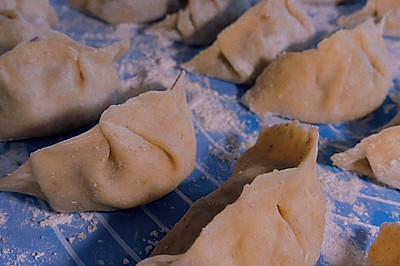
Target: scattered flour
[56, 219]
[3, 218]
[209, 110]
[12, 158]
[5, 250]
[337, 187]
[37, 255]
[92, 227]
[21, 259]
[81, 236]
[86, 216]
[150, 245]
[157, 70]
[154, 233]
[339, 247]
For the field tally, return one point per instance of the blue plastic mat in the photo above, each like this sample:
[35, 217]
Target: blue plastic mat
[32, 234]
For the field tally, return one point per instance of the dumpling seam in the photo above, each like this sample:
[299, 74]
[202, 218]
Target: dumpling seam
[368, 54]
[282, 215]
[169, 156]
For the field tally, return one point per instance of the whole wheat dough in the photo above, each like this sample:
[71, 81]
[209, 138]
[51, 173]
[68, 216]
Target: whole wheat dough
[139, 151]
[377, 156]
[201, 20]
[270, 212]
[127, 11]
[347, 77]
[385, 250]
[243, 49]
[22, 20]
[389, 9]
[53, 84]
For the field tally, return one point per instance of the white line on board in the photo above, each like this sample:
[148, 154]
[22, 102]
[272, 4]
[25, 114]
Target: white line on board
[117, 238]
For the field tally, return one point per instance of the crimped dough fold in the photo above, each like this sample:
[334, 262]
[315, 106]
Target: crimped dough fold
[242, 50]
[377, 156]
[139, 151]
[389, 9]
[22, 20]
[201, 20]
[52, 84]
[347, 77]
[126, 11]
[270, 212]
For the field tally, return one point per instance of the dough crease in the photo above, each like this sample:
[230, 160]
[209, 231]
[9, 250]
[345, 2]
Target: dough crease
[139, 151]
[270, 212]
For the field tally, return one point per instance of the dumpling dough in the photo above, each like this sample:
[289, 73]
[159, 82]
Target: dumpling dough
[53, 84]
[347, 77]
[377, 156]
[242, 50]
[139, 151]
[385, 250]
[390, 9]
[127, 11]
[200, 21]
[22, 20]
[270, 212]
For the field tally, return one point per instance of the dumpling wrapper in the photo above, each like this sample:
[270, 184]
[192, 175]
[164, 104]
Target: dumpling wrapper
[139, 151]
[270, 212]
[53, 84]
[377, 156]
[22, 20]
[385, 250]
[243, 49]
[126, 11]
[389, 9]
[347, 77]
[201, 20]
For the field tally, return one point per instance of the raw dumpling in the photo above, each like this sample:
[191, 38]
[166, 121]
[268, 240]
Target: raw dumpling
[390, 9]
[347, 77]
[139, 151]
[243, 49]
[127, 11]
[376, 156]
[385, 250]
[200, 21]
[52, 84]
[22, 20]
[270, 212]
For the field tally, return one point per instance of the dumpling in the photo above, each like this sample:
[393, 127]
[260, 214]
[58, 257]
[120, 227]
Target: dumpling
[139, 151]
[347, 77]
[243, 49]
[377, 156]
[52, 84]
[270, 212]
[127, 11]
[200, 21]
[22, 20]
[385, 250]
[390, 9]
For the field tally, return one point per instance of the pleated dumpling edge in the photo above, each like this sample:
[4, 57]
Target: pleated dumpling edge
[270, 212]
[139, 151]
